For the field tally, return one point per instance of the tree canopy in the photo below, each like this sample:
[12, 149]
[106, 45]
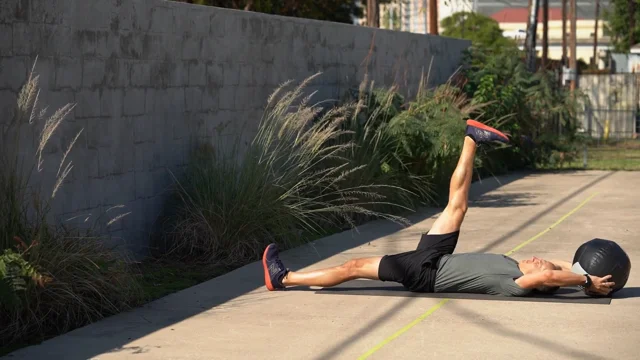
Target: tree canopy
[483, 31]
[622, 20]
[327, 10]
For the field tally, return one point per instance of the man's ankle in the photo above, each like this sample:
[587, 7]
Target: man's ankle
[471, 138]
[285, 279]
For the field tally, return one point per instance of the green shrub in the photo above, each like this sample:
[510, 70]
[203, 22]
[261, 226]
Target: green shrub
[82, 281]
[432, 129]
[413, 145]
[289, 183]
[376, 149]
[16, 276]
[538, 114]
[53, 279]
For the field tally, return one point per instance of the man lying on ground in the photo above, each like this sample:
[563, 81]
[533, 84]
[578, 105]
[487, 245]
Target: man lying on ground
[432, 266]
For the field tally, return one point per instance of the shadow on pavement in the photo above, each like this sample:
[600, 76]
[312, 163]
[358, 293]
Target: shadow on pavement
[365, 329]
[503, 200]
[537, 217]
[114, 333]
[526, 337]
[627, 293]
[474, 193]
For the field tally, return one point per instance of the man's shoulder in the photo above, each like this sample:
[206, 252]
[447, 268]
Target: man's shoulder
[509, 287]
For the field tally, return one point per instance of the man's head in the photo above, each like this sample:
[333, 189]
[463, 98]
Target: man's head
[534, 265]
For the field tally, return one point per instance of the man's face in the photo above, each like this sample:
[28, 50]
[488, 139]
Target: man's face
[535, 264]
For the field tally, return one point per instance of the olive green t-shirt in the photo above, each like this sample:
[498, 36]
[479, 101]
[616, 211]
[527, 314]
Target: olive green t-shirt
[481, 273]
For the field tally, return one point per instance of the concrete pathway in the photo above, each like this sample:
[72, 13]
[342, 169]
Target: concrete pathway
[234, 317]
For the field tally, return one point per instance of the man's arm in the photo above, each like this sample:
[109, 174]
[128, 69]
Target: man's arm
[600, 285]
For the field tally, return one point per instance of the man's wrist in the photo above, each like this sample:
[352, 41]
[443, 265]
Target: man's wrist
[587, 282]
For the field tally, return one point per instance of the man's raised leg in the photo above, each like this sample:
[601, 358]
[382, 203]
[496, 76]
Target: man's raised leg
[451, 218]
[277, 276]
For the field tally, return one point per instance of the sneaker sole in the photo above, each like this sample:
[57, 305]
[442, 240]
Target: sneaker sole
[488, 128]
[267, 278]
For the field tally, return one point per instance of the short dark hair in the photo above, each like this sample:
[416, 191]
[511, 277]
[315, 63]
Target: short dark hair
[547, 289]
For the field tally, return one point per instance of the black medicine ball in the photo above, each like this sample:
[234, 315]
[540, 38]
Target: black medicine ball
[601, 257]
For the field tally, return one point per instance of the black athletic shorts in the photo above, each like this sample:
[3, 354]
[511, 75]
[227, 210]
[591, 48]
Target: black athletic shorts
[416, 269]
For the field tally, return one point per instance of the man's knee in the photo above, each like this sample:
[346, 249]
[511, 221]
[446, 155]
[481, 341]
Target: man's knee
[462, 209]
[348, 268]
[356, 268]
[457, 211]
[458, 205]
[449, 221]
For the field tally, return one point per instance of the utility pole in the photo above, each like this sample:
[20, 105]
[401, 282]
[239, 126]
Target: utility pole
[530, 46]
[373, 13]
[545, 33]
[427, 22]
[573, 45]
[433, 17]
[632, 22]
[564, 33]
[526, 36]
[595, 38]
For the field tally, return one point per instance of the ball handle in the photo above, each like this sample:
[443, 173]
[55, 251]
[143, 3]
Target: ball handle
[577, 268]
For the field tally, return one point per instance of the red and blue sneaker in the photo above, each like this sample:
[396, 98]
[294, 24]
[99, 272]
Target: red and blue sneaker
[274, 269]
[481, 133]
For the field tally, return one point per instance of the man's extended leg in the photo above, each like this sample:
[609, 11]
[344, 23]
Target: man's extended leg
[277, 276]
[451, 218]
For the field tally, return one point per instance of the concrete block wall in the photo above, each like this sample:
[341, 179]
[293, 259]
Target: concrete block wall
[150, 76]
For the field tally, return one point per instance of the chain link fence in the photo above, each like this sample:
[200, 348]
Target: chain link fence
[612, 110]
[610, 121]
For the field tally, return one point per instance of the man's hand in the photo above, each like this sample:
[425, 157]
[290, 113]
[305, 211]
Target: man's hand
[600, 285]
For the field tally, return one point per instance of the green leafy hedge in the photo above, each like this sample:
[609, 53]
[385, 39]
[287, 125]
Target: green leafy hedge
[538, 113]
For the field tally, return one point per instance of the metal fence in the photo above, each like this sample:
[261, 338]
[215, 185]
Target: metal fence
[613, 108]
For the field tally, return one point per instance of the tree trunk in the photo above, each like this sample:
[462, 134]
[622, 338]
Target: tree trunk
[564, 32]
[573, 45]
[373, 13]
[595, 37]
[530, 46]
[433, 17]
[545, 33]
[632, 23]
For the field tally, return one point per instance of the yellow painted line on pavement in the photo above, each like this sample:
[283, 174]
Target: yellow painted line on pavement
[552, 226]
[444, 301]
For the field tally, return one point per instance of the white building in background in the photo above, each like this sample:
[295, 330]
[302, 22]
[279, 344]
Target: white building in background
[412, 15]
[512, 15]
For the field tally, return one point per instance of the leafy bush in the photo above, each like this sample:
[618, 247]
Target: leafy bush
[311, 170]
[482, 30]
[431, 131]
[53, 279]
[82, 281]
[413, 145]
[538, 114]
[289, 183]
[16, 275]
[376, 149]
